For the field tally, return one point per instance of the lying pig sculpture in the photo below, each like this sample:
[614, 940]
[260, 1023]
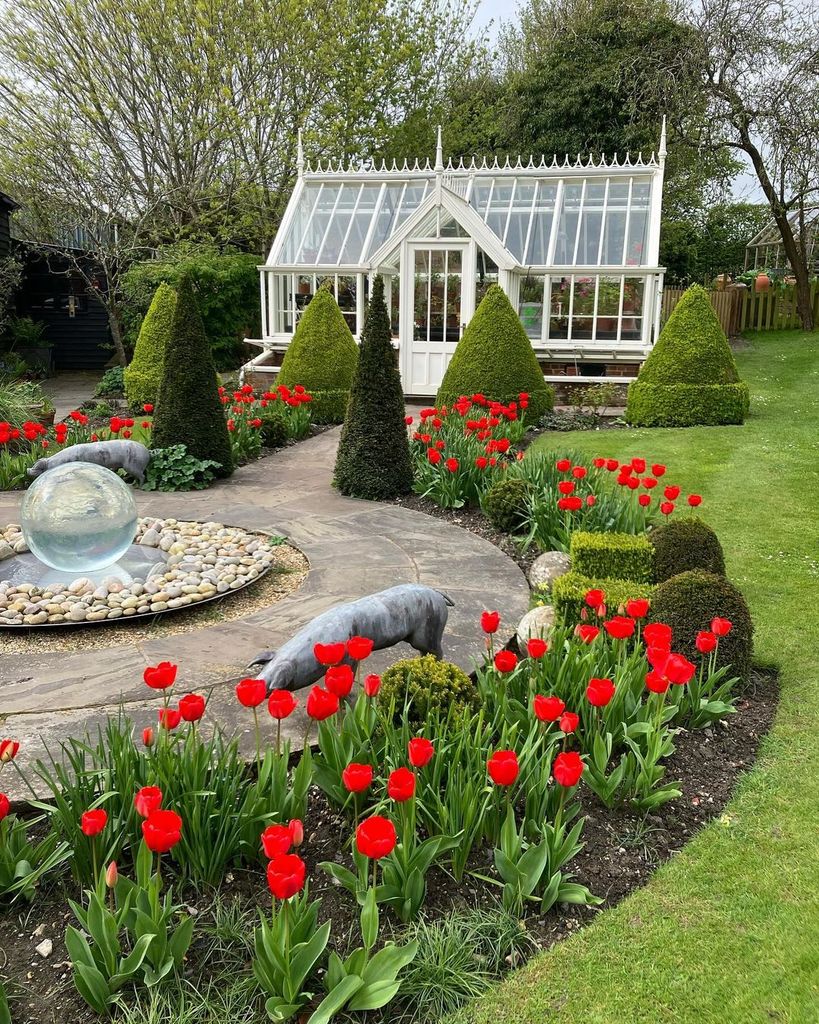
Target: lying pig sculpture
[131, 456]
[408, 612]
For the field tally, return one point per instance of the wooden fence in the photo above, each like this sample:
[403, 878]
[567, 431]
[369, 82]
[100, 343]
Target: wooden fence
[744, 310]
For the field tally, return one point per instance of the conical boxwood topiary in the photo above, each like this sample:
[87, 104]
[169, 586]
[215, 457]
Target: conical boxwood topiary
[144, 372]
[495, 358]
[188, 408]
[373, 458]
[690, 376]
[323, 357]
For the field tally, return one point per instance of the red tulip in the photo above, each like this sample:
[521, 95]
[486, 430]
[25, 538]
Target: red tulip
[147, 799]
[644, 500]
[490, 621]
[321, 704]
[706, 641]
[694, 500]
[567, 768]
[375, 837]
[649, 483]
[612, 465]
[251, 692]
[401, 785]
[148, 737]
[595, 598]
[8, 750]
[638, 465]
[276, 839]
[657, 634]
[598, 463]
[678, 669]
[359, 647]
[162, 830]
[281, 704]
[93, 822]
[547, 709]
[587, 633]
[169, 718]
[161, 676]
[656, 682]
[452, 465]
[111, 875]
[434, 456]
[372, 684]
[339, 679]
[563, 465]
[536, 648]
[329, 654]
[667, 507]
[568, 722]
[721, 627]
[357, 777]
[579, 472]
[637, 608]
[565, 486]
[192, 707]
[505, 661]
[599, 692]
[5, 806]
[286, 873]
[672, 493]
[658, 469]
[573, 504]
[420, 751]
[619, 628]
[503, 767]
[296, 828]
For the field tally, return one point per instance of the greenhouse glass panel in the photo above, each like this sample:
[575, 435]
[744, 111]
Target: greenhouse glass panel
[413, 197]
[591, 222]
[608, 307]
[530, 305]
[318, 225]
[632, 323]
[614, 232]
[537, 252]
[637, 223]
[520, 215]
[339, 222]
[362, 216]
[559, 307]
[498, 211]
[582, 307]
[567, 223]
[298, 225]
[486, 274]
[479, 199]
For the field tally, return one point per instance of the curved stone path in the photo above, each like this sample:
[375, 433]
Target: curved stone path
[354, 548]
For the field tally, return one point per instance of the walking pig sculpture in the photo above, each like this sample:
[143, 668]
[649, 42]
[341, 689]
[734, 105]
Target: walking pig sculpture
[408, 612]
[131, 456]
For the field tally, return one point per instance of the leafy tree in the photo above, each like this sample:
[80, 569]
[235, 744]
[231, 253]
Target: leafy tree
[373, 458]
[188, 409]
[699, 247]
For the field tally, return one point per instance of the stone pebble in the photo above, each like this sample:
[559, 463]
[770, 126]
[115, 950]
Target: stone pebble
[202, 560]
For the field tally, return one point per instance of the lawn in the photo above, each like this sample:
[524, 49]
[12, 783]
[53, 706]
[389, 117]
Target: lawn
[728, 931]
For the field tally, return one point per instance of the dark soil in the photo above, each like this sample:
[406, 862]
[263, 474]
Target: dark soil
[622, 849]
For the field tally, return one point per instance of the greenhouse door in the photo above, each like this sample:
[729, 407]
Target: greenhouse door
[433, 314]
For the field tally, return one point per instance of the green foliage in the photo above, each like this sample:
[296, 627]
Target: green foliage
[690, 376]
[329, 406]
[274, 426]
[24, 862]
[506, 504]
[19, 401]
[373, 459]
[422, 687]
[688, 602]
[112, 383]
[684, 544]
[323, 354]
[173, 469]
[189, 410]
[569, 592]
[227, 288]
[143, 374]
[495, 358]
[701, 244]
[621, 556]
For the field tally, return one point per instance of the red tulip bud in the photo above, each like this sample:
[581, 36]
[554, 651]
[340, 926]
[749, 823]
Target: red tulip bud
[111, 875]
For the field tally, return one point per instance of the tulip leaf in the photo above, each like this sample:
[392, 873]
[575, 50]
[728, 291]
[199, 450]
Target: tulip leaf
[341, 874]
[335, 1000]
[181, 940]
[93, 987]
[374, 996]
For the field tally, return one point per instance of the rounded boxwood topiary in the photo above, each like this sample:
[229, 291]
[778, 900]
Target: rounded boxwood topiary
[188, 409]
[506, 504]
[689, 601]
[690, 376]
[144, 373]
[274, 428]
[425, 686]
[495, 358]
[684, 544]
[373, 459]
[322, 356]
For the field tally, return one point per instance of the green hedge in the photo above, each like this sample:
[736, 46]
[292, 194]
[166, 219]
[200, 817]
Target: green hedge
[621, 556]
[227, 289]
[681, 545]
[329, 406]
[495, 358]
[687, 405]
[569, 592]
[143, 374]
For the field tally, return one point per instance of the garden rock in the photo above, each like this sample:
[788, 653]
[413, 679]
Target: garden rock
[45, 948]
[547, 567]
[536, 622]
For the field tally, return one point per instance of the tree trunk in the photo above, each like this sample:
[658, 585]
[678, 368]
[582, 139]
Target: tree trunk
[116, 336]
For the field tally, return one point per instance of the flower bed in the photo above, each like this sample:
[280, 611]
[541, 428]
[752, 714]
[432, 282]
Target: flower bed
[492, 793]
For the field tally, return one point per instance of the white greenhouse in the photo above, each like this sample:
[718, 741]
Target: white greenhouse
[574, 246]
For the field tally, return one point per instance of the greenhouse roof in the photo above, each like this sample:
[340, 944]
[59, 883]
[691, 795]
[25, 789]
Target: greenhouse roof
[770, 234]
[581, 213]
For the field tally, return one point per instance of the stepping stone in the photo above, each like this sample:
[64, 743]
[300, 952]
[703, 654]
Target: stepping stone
[547, 567]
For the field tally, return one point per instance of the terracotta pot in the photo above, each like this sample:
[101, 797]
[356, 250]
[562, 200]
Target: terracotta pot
[762, 283]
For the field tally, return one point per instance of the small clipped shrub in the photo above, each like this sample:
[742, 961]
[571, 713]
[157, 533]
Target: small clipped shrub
[621, 556]
[569, 594]
[495, 358]
[189, 410]
[274, 429]
[688, 602]
[112, 383]
[373, 459]
[506, 504]
[322, 356]
[690, 376]
[144, 373]
[426, 686]
[684, 544]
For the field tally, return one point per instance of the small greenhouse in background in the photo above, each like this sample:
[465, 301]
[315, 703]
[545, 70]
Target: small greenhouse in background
[574, 245]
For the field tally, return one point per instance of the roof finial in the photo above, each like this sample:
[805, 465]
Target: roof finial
[439, 153]
[662, 151]
[299, 156]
